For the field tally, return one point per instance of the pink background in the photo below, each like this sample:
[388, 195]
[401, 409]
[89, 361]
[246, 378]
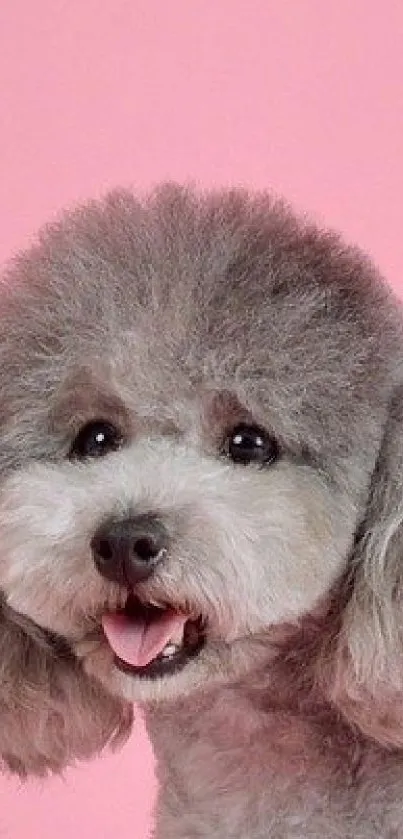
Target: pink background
[305, 97]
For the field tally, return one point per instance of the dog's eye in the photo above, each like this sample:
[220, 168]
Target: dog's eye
[96, 439]
[251, 444]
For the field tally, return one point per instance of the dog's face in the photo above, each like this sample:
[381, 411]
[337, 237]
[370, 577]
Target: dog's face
[194, 395]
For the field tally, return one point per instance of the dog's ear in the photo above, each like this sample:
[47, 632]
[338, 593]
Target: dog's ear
[51, 712]
[366, 658]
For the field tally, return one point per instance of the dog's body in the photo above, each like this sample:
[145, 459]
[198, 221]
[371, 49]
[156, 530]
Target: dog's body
[201, 504]
[245, 762]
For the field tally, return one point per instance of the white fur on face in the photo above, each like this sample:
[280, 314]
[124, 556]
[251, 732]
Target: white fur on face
[250, 547]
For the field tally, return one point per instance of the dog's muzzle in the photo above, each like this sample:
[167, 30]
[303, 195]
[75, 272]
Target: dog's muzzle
[127, 551]
[147, 640]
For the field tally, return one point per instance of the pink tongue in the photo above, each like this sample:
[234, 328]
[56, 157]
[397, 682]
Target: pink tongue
[137, 642]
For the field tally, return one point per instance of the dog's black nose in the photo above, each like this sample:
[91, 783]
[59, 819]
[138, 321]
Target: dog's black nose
[126, 551]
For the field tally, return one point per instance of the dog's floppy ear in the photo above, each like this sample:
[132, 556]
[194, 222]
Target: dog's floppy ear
[51, 712]
[367, 656]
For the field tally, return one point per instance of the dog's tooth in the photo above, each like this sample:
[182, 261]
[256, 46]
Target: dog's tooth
[152, 602]
[169, 650]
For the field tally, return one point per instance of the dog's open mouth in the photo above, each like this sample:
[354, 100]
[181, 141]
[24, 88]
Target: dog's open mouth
[149, 641]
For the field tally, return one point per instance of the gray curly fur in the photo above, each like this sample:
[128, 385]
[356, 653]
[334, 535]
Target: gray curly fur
[176, 316]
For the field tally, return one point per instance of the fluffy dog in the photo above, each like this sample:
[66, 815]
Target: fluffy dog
[201, 502]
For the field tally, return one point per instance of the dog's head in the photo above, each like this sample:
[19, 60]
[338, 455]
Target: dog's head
[200, 436]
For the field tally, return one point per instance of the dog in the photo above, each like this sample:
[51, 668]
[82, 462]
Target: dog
[201, 506]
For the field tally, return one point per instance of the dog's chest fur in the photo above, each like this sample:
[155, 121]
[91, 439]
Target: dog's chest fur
[231, 770]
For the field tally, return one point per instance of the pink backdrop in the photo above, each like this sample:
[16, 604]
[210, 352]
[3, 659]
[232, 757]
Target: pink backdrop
[305, 97]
